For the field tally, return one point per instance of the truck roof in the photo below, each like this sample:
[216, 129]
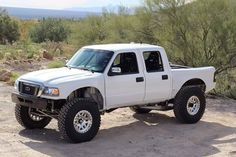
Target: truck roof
[122, 47]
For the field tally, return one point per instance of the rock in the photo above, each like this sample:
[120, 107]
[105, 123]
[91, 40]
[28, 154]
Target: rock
[7, 63]
[16, 61]
[5, 75]
[47, 55]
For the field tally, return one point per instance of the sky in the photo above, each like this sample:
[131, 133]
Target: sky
[64, 4]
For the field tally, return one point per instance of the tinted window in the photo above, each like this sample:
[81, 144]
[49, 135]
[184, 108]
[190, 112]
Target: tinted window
[127, 62]
[153, 61]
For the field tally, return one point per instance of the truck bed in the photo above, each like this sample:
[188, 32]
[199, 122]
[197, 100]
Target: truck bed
[181, 74]
[176, 66]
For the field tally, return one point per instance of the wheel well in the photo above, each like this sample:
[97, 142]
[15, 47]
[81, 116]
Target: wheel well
[88, 92]
[195, 82]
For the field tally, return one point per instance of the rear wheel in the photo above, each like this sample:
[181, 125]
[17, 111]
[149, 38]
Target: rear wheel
[28, 119]
[140, 110]
[79, 120]
[189, 105]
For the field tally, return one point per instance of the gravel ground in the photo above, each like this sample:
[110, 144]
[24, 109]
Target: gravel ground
[124, 133]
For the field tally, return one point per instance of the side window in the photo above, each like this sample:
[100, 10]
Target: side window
[153, 61]
[127, 62]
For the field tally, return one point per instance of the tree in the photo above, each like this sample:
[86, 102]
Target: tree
[93, 30]
[119, 25]
[144, 27]
[110, 27]
[9, 30]
[198, 33]
[49, 29]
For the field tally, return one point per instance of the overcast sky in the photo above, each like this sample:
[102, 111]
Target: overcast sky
[62, 4]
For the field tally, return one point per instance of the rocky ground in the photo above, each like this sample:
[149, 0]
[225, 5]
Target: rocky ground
[10, 69]
[125, 134]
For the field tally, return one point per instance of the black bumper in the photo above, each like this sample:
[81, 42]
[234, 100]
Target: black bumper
[29, 101]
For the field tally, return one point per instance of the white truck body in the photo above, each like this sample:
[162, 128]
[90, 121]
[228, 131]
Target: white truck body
[102, 78]
[123, 90]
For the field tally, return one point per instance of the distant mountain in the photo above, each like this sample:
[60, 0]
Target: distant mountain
[29, 13]
[110, 8]
[88, 9]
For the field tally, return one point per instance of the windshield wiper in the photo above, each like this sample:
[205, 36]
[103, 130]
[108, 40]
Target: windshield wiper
[86, 69]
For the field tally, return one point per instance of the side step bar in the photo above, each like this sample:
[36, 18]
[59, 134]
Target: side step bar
[159, 107]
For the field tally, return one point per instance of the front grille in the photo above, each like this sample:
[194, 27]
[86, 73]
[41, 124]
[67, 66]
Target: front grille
[28, 88]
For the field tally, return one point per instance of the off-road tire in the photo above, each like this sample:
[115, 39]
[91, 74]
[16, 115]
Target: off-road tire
[24, 119]
[67, 115]
[140, 110]
[180, 105]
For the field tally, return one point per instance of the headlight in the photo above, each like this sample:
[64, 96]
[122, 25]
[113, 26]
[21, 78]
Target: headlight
[51, 91]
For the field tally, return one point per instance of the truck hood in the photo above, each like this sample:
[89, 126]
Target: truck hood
[54, 75]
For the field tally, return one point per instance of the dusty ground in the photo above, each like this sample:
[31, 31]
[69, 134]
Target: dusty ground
[124, 133]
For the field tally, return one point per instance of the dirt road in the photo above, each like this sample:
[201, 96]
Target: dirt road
[125, 134]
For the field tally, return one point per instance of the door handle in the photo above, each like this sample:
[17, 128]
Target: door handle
[164, 77]
[139, 79]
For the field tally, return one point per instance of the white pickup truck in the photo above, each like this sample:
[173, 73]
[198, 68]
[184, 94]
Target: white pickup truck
[102, 78]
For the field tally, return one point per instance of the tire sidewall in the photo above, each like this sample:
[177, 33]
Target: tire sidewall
[70, 130]
[23, 117]
[181, 104]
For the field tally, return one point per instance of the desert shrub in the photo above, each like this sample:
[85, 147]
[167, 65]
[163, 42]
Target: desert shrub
[200, 33]
[232, 93]
[19, 51]
[13, 77]
[226, 83]
[9, 29]
[24, 27]
[49, 29]
[56, 64]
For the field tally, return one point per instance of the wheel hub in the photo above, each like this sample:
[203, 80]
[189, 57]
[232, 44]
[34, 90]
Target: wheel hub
[193, 105]
[83, 121]
[33, 116]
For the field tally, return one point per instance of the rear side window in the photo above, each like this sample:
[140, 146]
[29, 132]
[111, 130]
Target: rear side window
[153, 61]
[127, 62]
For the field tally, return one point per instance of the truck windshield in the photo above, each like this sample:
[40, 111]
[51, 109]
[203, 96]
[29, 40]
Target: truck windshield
[91, 59]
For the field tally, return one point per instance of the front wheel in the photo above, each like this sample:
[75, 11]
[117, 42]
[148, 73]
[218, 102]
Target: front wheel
[189, 105]
[79, 120]
[29, 119]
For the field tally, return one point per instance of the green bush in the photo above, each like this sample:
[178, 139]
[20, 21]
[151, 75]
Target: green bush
[232, 93]
[9, 30]
[14, 76]
[19, 51]
[49, 29]
[56, 64]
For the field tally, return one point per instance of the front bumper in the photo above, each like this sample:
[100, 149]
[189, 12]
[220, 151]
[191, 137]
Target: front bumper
[29, 101]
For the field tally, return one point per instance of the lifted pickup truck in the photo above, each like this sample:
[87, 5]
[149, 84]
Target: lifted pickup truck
[101, 78]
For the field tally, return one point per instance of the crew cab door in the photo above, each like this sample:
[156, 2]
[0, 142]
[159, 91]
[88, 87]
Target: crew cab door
[125, 84]
[158, 79]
